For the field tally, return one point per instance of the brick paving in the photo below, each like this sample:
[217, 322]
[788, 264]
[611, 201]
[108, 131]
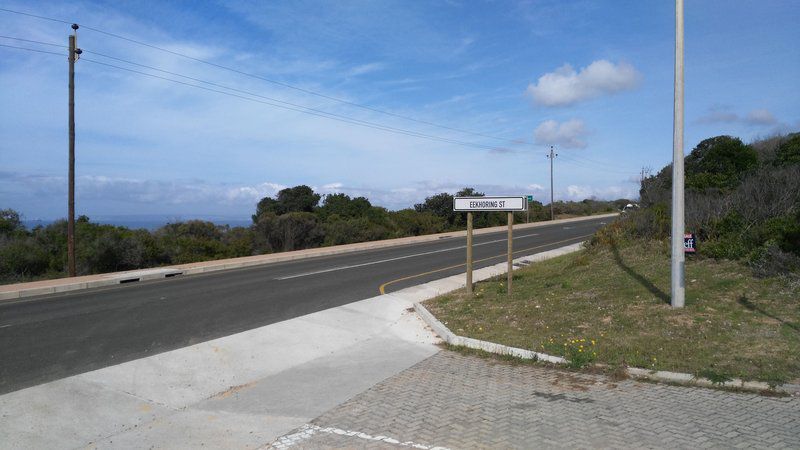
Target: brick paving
[460, 402]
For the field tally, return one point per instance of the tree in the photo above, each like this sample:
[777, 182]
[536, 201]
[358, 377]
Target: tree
[440, 205]
[408, 222]
[295, 199]
[9, 222]
[287, 232]
[349, 230]
[21, 259]
[344, 206]
[789, 150]
[719, 162]
[190, 241]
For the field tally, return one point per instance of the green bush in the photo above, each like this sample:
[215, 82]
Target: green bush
[719, 162]
[788, 152]
[22, 259]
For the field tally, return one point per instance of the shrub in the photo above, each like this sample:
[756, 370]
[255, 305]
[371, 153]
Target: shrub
[788, 152]
[22, 259]
[770, 261]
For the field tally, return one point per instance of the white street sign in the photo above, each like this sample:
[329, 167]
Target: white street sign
[490, 204]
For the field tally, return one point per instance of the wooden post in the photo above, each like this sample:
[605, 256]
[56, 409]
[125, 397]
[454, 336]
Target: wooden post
[510, 249]
[71, 194]
[469, 253]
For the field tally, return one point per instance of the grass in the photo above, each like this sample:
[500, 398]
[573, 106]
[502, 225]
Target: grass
[611, 305]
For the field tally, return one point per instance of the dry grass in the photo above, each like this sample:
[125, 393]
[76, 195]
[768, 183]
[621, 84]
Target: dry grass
[733, 325]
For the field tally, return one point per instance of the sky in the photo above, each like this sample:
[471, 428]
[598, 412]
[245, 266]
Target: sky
[391, 100]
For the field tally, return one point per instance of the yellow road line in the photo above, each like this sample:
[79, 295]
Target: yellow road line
[382, 287]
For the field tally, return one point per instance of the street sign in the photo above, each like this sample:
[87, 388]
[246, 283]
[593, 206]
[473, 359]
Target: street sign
[530, 198]
[505, 204]
[489, 204]
[689, 243]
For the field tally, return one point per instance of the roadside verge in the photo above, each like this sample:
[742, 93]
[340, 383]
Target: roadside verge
[456, 316]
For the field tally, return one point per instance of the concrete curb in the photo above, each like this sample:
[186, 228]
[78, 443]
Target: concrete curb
[634, 372]
[453, 339]
[433, 289]
[21, 290]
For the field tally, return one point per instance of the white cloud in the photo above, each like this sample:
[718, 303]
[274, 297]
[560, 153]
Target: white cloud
[568, 134]
[580, 192]
[723, 114]
[332, 186]
[501, 151]
[565, 86]
[760, 117]
[365, 69]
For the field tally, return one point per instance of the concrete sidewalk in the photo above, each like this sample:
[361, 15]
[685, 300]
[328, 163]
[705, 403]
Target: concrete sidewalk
[240, 391]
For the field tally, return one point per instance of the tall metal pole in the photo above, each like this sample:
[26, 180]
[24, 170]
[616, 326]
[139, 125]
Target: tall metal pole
[678, 258]
[469, 253]
[552, 156]
[71, 195]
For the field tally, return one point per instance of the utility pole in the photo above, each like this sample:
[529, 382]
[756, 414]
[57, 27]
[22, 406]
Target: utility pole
[678, 257]
[73, 56]
[552, 156]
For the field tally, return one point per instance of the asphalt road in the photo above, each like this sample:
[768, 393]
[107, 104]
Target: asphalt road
[50, 337]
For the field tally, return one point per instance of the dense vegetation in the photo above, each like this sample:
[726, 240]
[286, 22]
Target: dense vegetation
[742, 203]
[297, 218]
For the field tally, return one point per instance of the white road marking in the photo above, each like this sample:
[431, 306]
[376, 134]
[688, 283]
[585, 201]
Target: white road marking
[5, 326]
[333, 269]
[308, 430]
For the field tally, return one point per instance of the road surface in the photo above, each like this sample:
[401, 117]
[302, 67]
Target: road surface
[54, 336]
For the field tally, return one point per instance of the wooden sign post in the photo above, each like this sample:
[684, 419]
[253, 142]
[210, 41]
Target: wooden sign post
[503, 204]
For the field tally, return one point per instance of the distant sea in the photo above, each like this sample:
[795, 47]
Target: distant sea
[148, 222]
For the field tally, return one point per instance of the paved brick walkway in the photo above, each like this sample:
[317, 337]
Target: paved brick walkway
[456, 402]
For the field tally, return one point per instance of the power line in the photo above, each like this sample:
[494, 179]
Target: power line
[582, 162]
[269, 100]
[301, 109]
[31, 49]
[33, 42]
[35, 16]
[269, 80]
[294, 106]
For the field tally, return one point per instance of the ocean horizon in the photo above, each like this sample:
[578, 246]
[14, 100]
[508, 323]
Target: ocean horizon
[147, 222]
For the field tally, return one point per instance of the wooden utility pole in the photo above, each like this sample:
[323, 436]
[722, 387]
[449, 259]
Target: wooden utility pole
[73, 56]
[552, 156]
[469, 253]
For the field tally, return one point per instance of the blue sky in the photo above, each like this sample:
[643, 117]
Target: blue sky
[592, 78]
